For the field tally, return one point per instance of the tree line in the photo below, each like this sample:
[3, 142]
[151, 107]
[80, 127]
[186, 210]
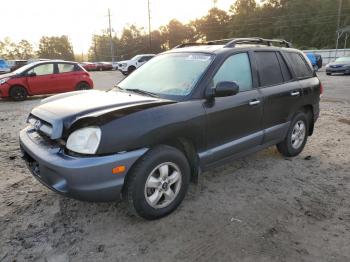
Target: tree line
[308, 24]
[50, 47]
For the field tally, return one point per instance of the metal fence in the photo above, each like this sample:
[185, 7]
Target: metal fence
[328, 55]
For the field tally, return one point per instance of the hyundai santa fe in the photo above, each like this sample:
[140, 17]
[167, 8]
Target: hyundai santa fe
[187, 110]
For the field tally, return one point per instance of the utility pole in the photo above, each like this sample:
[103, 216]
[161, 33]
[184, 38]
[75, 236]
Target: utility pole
[338, 26]
[110, 35]
[215, 3]
[149, 26]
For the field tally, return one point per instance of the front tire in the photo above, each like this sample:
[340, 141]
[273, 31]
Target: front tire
[18, 93]
[131, 69]
[296, 137]
[157, 183]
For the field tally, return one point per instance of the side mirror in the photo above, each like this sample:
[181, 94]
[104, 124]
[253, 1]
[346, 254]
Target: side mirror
[31, 74]
[226, 88]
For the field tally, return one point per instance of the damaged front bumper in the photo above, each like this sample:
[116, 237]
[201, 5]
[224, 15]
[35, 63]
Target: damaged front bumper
[84, 178]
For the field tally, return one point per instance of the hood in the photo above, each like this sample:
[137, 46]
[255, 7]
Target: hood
[338, 64]
[125, 61]
[11, 75]
[60, 112]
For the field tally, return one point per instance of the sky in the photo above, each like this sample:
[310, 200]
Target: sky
[80, 19]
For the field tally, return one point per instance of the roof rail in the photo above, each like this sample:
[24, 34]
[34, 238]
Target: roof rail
[257, 40]
[189, 44]
[231, 42]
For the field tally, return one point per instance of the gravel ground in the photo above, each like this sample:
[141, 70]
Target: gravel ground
[263, 207]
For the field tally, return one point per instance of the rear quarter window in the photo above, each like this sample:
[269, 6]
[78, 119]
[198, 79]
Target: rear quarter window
[299, 65]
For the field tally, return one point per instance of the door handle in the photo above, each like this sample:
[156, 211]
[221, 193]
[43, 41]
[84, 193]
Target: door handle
[254, 102]
[295, 93]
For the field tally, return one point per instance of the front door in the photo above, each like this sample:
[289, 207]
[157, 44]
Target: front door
[43, 80]
[234, 122]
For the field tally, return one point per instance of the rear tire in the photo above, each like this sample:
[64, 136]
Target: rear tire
[296, 137]
[157, 183]
[18, 93]
[328, 74]
[83, 86]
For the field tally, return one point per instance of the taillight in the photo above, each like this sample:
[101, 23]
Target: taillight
[321, 89]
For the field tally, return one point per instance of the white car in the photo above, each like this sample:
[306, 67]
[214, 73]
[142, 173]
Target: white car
[128, 66]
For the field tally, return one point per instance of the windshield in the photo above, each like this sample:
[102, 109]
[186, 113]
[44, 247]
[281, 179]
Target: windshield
[343, 59]
[23, 68]
[173, 74]
[136, 57]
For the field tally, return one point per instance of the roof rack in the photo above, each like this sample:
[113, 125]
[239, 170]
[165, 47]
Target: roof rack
[257, 40]
[231, 42]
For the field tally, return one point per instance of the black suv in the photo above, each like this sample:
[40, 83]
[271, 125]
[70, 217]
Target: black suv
[188, 109]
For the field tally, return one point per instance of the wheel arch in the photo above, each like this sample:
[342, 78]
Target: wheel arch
[309, 111]
[19, 85]
[187, 147]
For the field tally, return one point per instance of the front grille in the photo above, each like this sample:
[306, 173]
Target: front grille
[43, 140]
[40, 125]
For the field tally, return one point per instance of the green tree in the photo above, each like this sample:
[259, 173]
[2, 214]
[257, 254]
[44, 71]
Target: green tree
[24, 50]
[55, 47]
[175, 33]
[213, 25]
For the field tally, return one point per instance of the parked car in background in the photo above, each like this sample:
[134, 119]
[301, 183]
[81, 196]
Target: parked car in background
[340, 65]
[4, 67]
[128, 66]
[315, 60]
[47, 77]
[104, 66]
[187, 110]
[115, 65]
[15, 64]
[88, 66]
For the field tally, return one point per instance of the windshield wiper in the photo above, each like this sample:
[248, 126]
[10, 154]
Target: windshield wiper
[140, 91]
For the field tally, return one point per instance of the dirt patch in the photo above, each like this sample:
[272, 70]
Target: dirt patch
[344, 121]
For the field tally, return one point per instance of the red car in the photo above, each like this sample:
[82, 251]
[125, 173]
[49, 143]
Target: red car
[89, 66]
[45, 77]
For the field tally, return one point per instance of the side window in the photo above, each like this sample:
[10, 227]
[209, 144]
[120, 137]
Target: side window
[65, 68]
[143, 59]
[236, 69]
[40, 70]
[285, 71]
[269, 69]
[299, 65]
[148, 58]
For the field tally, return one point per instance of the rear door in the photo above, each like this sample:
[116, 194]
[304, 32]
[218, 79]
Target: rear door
[280, 92]
[43, 82]
[234, 122]
[67, 77]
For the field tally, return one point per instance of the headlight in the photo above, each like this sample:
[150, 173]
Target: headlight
[4, 80]
[85, 140]
[124, 64]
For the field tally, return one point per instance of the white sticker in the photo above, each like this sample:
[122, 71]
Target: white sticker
[198, 57]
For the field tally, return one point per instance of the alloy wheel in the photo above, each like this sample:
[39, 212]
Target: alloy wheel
[163, 185]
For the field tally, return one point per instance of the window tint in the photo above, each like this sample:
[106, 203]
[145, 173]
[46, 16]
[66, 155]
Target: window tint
[299, 65]
[269, 69]
[45, 69]
[236, 69]
[64, 68]
[285, 71]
